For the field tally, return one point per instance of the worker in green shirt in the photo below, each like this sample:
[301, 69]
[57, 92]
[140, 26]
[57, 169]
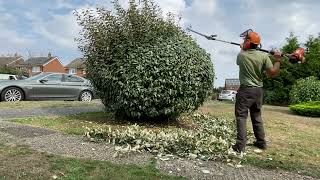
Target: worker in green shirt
[252, 65]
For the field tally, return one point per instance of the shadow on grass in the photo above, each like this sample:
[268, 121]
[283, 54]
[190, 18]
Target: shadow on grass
[108, 118]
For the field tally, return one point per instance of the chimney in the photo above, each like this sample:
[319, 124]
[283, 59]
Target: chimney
[49, 55]
[15, 54]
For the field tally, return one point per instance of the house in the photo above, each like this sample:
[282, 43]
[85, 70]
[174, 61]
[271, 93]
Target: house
[13, 61]
[232, 84]
[77, 67]
[36, 65]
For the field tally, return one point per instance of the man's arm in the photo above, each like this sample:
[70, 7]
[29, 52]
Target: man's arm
[274, 71]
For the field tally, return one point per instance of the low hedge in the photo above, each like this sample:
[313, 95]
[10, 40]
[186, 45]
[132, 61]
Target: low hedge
[307, 109]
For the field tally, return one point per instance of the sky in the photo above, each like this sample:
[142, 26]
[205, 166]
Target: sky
[36, 27]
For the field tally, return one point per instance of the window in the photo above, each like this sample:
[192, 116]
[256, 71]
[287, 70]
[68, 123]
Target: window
[54, 77]
[72, 71]
[38, 77]
[36, 69]
[70, 78]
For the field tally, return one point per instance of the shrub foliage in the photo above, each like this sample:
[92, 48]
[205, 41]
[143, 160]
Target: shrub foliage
[12, 70]
[305, 90]
[143, 65]
[307, 109]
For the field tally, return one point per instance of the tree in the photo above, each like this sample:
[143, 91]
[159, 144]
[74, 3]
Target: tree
[278, 89]
[141, 64]
[12, 70]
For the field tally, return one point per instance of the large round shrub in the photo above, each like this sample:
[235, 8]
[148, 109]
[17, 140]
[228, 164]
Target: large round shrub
[142, 65]
[305, 90]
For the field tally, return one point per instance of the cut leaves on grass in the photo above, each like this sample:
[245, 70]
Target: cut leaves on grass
[211, 139]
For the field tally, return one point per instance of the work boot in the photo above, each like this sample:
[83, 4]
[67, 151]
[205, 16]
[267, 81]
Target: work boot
[237, 148]
[260, 145]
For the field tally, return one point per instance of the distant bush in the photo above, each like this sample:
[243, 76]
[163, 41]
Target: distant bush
[305, 90]
[276, 97]
[307, 109]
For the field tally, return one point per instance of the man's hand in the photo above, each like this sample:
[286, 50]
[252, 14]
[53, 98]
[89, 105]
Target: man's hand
[277, 55]
[274, 71]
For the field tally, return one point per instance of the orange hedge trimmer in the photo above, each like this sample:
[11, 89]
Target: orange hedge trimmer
[296, 57]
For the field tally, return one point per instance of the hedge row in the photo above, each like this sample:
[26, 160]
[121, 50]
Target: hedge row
[307, 109]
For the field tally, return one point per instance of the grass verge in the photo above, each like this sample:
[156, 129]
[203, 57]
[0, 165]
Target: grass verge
[20, 162]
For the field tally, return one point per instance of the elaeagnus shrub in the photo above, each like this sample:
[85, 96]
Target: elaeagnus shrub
[305, 90]
[141, 64]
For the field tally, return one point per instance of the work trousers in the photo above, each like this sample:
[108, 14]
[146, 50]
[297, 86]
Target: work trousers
[249, 98]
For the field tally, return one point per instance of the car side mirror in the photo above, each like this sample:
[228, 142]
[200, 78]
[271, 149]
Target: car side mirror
[43, 80]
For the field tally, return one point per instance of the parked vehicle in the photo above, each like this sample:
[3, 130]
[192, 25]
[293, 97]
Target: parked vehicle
[47, 86]
[227, 95]
[8, 77]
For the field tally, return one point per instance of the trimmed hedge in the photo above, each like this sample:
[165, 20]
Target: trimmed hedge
[307, 109]
[142, 65]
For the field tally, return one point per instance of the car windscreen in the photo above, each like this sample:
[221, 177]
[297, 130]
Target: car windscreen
[37, 77]
[225, 92]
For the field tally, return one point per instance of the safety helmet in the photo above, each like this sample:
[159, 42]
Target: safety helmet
[252, 36]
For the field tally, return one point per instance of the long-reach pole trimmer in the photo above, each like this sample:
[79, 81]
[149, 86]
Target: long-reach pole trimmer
[296, 57]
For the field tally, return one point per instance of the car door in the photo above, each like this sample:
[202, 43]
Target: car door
[49, 87]
[73, 85]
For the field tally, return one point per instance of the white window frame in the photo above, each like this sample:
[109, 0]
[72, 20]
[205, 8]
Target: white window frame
[73, 71]
[36, 69]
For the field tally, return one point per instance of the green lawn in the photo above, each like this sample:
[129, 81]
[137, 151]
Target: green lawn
[294, 143]
[19, 162]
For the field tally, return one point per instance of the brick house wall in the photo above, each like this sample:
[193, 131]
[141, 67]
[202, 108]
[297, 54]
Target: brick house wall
[53, 66]
[80, 72]
[232, 84]
[33, 73]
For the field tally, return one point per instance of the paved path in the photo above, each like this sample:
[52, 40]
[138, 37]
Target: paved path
[58, 143]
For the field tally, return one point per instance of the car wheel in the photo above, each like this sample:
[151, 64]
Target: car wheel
[85, 96]
[12, 94]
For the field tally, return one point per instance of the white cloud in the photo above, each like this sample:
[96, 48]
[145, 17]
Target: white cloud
[175, 7]
[60, 29]
[64, 4]
[273, 19]
[11, 40]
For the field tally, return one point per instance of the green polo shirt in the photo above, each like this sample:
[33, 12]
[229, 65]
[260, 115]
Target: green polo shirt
[252, 64]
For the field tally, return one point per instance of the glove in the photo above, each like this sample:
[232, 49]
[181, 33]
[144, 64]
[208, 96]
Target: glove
[277, 55]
